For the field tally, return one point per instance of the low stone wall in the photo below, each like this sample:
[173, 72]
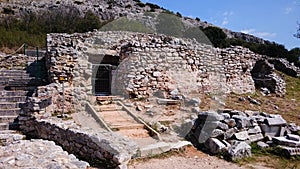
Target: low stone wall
[90, 145]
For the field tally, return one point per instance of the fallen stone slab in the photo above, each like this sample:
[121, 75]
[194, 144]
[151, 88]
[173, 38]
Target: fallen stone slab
[154, 149]
[285, 141]
[214, 145]
[293, 137]
[254, 130]
[291, 151]
[277, 121]
[241, 136]
[256, 137]
[168, 101]
[239, 150]
[210, 116]
[180, 145]
[262, 145]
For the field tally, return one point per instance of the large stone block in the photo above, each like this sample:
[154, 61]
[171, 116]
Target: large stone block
[215, 146]
[239, 150]
[277, 121]
[272, 131]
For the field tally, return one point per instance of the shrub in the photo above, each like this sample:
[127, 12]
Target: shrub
[140, 4]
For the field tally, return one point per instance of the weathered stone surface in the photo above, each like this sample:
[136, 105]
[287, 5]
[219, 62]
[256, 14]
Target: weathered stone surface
[254, 130]
[293, 137]
[239, 150]
[277, 121]
[154, 149]
[285, 141]
[242, 121]
[292, 151]
[270, 130]
[215, 146]
[37, 154]
[210, 116]
[216, 133]
[262, 145]
[242, 136]
[256, 137]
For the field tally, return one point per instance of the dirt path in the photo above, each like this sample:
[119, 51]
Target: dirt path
[190, 159]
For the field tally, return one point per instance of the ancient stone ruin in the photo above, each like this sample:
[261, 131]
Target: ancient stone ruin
[114, 96]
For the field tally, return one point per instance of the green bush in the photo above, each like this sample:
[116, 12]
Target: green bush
[32, 28]
[140, 4]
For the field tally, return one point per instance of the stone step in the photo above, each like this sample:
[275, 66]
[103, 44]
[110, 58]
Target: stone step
[27, 88]
[127, 127]
[4, 126]
[111, 107]
[13, 99]
[8, 132]
[13, 93]
[9, 105]
[118, 121]
[154, 149]
[7, 119]
[9, 112]
[134, 133]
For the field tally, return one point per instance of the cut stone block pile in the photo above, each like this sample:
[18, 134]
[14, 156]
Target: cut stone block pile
[233, 131]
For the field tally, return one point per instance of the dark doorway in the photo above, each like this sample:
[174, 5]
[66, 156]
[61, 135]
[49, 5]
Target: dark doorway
[103, 74]
[103, 80]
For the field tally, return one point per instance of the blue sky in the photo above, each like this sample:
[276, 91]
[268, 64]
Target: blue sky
[274, 20]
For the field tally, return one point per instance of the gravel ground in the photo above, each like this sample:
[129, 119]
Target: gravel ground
[190, 159]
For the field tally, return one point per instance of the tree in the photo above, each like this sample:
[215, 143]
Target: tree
[297, 35]
[216, 36]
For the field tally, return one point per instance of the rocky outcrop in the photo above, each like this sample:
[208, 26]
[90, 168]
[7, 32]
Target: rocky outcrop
[106, 10]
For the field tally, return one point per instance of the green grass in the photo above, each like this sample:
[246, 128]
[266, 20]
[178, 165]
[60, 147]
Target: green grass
[270, 157]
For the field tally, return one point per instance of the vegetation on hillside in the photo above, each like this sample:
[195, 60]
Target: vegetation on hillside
[32, 29]
[272, 49]
[297, 35]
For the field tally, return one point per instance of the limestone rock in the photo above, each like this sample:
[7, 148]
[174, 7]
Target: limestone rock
[239, 150]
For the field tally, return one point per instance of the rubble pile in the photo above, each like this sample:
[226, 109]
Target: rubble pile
[233, 131]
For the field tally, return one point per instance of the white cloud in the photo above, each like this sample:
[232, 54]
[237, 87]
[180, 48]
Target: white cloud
[259, 34]
[248, 31]
[225, 21]
[288, 10]
[226, 15]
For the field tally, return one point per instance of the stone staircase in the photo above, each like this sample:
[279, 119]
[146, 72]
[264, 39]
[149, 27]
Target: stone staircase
[120, 121]
[15, 86]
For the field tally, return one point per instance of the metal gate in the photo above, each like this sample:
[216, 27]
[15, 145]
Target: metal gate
[102, 80]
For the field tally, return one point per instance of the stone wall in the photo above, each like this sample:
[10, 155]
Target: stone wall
[36, 122]
[148, 63]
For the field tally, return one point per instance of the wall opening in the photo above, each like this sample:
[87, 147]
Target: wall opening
[102, 75]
